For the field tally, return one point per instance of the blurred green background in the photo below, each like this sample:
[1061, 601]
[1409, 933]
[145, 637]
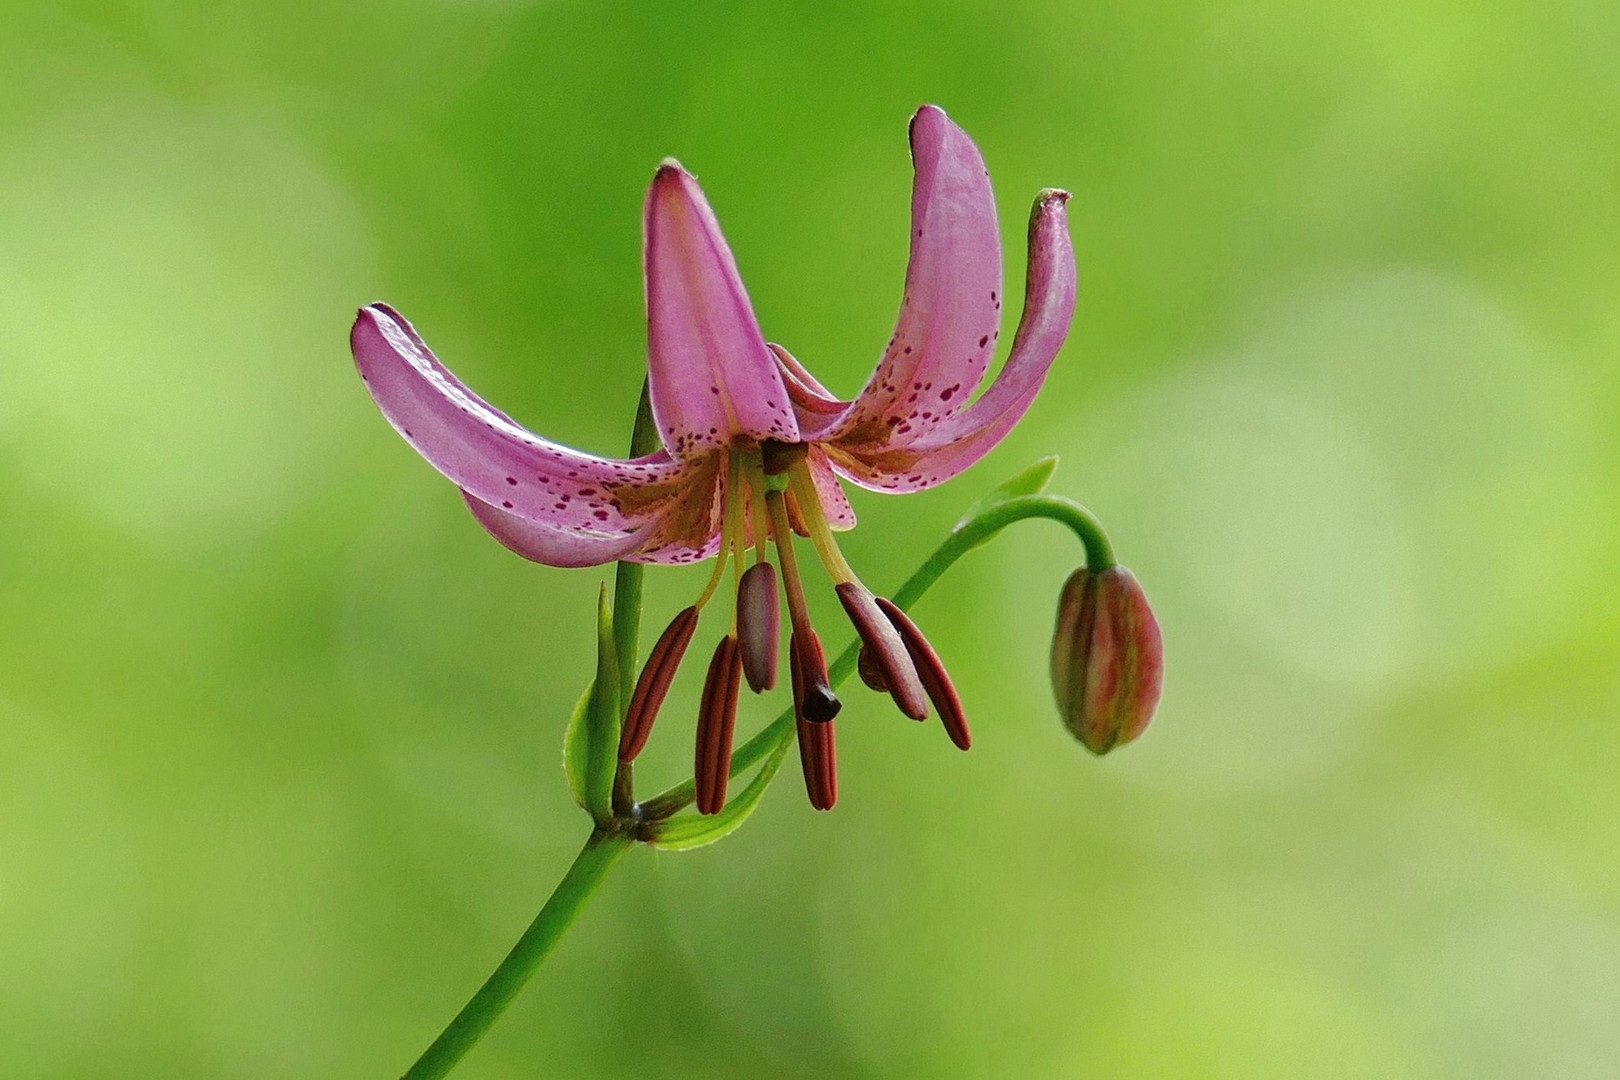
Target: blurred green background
[279, 726]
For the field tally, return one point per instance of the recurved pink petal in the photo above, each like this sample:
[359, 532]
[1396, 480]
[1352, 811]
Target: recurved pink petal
[553, 488]
[814, 406]
[953, 444]
[950, 316]
[711, 374]
[552, 545]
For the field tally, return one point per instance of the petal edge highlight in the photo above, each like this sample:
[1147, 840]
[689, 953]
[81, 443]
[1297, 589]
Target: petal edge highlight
[550, 487]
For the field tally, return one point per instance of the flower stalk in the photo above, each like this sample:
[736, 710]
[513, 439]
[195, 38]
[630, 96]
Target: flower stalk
[737, 448]
[653, 821]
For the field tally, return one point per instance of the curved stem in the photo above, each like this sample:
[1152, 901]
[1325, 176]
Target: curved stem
[600, 853]
[605, 847]
[968, 535]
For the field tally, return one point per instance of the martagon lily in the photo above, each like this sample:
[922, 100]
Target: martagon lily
[755, 449]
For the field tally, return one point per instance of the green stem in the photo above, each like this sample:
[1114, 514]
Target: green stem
[606, 846]
[627, 578]
[968, 535]
[589, 868]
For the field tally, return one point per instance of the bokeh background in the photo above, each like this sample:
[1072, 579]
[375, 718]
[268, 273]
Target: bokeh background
[279, 726]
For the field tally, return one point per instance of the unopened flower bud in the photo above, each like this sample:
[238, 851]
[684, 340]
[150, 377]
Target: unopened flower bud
[1107, 658]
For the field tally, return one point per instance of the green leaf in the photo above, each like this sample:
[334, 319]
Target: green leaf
[591, 746]
[688, 831]
[1031, 481]
[576, 747]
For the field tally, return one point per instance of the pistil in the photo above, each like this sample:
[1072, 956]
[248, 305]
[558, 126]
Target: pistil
[818, 756]
[820, 704]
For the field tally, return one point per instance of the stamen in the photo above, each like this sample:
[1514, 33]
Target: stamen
[871, 673]
[717, 720]
[653, 684]
[931, 669]
[817, 740]
[880, 636]
[813, 695]
[759, 625]
[730, 533]
[888, 653]
[719, 571]
[759, 516]
[804, 491]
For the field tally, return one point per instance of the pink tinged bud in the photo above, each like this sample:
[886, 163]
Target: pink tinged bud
[759, 622]
[653, 685]
[879, 635]
[931, 670]
[817, 738]
[717, 722]
[1107, 658]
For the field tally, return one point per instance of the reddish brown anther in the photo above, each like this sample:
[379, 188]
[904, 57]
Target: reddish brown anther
[871, 672]
[817, 739]
[931, 670]
[759, 625]
[653, 685]
[717, 720]
[888, 650]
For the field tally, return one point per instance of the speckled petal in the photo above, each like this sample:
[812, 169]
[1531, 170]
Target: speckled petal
[814, 406]
[552, 545]
[950, 316]
[964, 438]
[834, 503]
[711, 374]
[497, 462]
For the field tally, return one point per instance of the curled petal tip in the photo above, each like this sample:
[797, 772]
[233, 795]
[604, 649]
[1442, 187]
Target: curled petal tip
[1052, 195]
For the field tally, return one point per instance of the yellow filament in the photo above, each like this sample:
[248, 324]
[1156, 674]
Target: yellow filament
[798, 610]
[730, 530]
[804, 489]
[756, 498]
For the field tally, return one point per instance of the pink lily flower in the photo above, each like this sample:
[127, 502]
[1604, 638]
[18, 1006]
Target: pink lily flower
[755, 447]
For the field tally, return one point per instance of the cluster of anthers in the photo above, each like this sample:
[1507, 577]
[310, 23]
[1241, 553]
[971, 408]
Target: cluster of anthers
[754, 448]
[775, 500]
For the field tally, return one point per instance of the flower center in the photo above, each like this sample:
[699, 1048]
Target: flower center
[769, 495]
